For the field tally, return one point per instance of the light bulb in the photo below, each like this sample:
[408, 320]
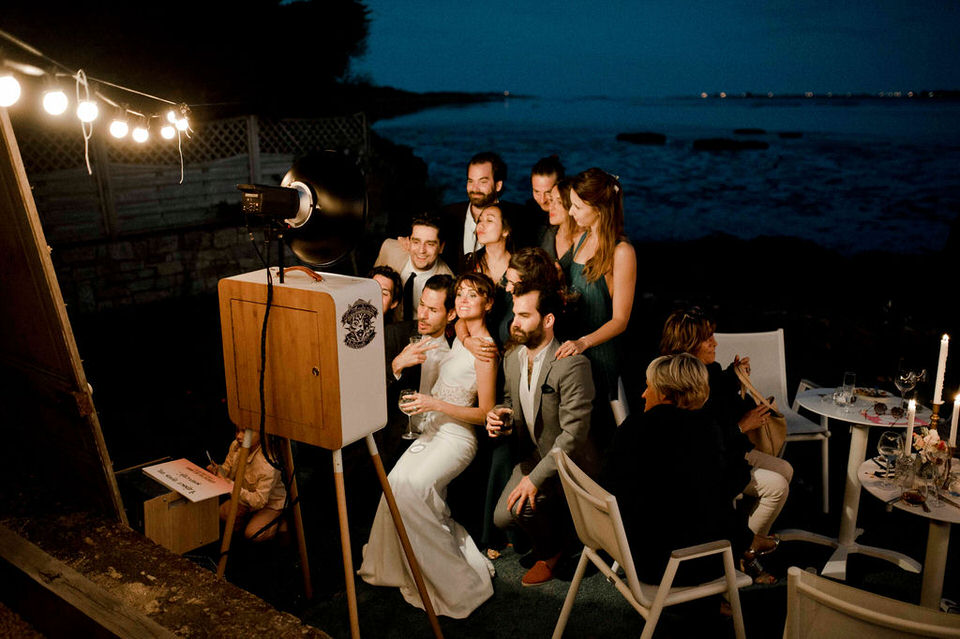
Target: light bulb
[9, 90]
[55, 102]
[182, 124]
[140, 134]
[168, 132]
[119, 128]
[88, 111]
[171, 116]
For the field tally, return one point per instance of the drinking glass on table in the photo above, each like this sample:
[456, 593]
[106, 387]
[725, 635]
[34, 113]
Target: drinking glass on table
[845, 395]
[889, 447]
[906, 380]
[406, 396]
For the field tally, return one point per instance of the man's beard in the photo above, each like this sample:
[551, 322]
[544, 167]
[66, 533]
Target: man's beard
[531, 339]
[482, 199]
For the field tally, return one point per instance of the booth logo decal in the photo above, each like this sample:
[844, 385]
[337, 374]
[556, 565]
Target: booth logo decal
[357, 321]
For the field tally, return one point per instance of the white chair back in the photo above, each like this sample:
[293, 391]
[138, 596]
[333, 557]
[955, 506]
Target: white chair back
[768, 362]
[596, 517]
[823, 609]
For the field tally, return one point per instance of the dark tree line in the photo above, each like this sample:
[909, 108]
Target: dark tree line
[284, 58]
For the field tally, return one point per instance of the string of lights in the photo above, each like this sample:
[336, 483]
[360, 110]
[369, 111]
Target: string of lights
[172, 118]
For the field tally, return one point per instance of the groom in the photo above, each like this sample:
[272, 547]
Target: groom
[550, 401]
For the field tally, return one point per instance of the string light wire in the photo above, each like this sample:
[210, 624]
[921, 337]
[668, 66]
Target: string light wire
[83, 82]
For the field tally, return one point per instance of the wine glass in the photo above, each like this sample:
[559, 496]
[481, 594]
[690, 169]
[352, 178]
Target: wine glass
[889, 446]
[406, 396]
[906, 380]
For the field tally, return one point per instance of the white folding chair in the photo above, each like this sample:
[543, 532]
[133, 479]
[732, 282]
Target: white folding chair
[820, 608]
[599, 526]
[768, 372]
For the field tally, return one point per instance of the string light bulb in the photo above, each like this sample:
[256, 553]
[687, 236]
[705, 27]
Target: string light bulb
[168, 132]
[183, 124]
[87, 111]
[9, 90]
[55, 102]
[119, 128]
[172, 116]
[140, 134]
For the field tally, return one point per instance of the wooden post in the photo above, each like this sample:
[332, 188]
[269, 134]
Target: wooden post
[253, 148]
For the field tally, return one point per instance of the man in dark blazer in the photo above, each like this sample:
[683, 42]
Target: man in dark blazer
[550, 402]
[458, 222]
[406, 362]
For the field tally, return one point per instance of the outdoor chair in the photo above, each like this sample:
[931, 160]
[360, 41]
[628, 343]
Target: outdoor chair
[599, 526]
[820, 608]
[768, 372]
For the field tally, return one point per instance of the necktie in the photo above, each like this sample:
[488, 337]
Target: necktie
[408, 297]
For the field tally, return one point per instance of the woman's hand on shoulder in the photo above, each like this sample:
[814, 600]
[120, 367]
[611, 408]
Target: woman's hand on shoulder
[572, 347]
[483, 349]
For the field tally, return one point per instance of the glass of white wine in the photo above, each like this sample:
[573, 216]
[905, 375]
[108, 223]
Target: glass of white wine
[406, 396]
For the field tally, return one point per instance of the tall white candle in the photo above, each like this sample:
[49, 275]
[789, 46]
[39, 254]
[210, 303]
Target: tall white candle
[911, 414]
[941, 369]
[953, 421]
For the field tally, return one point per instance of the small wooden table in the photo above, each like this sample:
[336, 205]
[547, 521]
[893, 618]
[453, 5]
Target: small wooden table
[861, 417]
[938, 536]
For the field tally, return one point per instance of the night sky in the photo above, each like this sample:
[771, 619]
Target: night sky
[659, 48]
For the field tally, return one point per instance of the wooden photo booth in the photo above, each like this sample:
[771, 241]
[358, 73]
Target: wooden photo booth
[324, 384]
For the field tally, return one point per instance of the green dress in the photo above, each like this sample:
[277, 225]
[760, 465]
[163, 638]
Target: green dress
[594, 309]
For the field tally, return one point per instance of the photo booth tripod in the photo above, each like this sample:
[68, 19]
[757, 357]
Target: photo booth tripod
[297, 350]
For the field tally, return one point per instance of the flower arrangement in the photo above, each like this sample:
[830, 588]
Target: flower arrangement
[932, 452]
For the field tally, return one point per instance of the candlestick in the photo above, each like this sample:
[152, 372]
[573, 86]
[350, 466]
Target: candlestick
[953, 422]
[941, 368]
[911, 415]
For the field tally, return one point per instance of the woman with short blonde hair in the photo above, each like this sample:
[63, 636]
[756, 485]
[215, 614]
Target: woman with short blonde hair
[681, 379]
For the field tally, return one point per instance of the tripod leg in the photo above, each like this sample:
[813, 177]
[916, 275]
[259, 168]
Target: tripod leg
[234, 501]
[298, 521]
[404, 540]
[345, 543]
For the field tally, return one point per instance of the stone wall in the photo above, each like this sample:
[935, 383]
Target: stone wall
[108, 274]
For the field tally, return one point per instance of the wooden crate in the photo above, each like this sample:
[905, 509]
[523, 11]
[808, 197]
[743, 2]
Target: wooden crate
[175, 522]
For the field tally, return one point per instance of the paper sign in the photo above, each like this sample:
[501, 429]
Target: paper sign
[188, 479]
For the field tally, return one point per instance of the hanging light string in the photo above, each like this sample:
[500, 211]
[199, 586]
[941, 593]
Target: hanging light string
[86, 126]
[88, 111]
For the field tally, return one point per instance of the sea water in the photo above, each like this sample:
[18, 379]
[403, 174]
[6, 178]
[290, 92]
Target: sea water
[865, 174]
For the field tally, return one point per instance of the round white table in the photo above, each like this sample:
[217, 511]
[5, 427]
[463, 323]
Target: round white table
[861, 416]
[941, 517]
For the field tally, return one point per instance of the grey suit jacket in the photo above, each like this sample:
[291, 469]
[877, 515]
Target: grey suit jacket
[563, 400]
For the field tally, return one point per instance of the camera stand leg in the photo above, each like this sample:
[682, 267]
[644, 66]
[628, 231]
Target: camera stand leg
[404, 540]
[235, 505]
[298, 520]
[234, 502]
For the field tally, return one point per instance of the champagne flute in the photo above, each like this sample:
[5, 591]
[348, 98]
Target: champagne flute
[407, 396]
[889, 447]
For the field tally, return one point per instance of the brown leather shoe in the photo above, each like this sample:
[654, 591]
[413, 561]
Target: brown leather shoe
[540, 574]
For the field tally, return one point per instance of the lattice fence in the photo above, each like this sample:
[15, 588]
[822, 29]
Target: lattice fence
[135, 187]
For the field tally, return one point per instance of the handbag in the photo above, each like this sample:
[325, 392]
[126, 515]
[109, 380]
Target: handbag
[770, 437]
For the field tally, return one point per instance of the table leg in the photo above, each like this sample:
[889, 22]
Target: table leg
[935, 564]
[836, 566]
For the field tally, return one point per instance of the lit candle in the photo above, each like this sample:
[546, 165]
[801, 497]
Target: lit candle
[941, 368]
[953, 422]
[911, 414]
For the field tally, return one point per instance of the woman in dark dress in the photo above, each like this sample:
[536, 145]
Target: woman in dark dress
[663, 468]
[558, 239]
[764, 477]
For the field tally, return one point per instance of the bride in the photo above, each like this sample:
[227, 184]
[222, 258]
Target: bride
[457, 574]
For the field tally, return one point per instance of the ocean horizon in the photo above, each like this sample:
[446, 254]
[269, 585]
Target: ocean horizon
[863, 175]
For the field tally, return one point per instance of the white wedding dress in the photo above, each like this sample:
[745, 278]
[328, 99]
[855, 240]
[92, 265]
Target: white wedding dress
[457, 574]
